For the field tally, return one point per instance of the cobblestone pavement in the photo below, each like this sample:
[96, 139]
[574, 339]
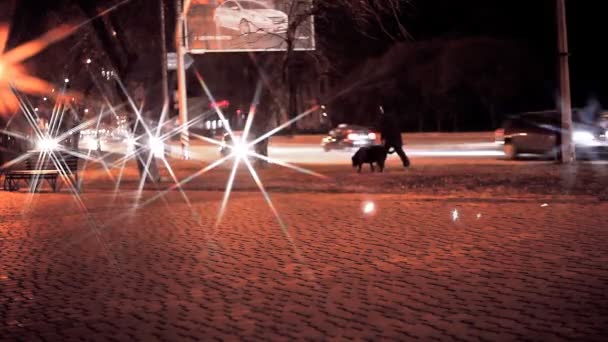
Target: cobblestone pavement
[504, 270]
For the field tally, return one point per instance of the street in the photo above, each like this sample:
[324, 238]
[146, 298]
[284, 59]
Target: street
[424, 149]
[533, 268]
[429, 148]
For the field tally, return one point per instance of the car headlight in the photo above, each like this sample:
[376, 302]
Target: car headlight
[583, 137]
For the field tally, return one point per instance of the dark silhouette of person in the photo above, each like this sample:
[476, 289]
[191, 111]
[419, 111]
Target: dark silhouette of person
[390, 133]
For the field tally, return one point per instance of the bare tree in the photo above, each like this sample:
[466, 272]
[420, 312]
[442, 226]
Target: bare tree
[371, 18]
[133, 54]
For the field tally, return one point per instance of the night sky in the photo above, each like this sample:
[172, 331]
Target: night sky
[532, 22]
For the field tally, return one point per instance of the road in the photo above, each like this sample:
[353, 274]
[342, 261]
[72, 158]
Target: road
[422, 148]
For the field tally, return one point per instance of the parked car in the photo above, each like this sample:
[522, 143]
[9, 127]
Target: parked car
[539, 133]
[348, 137]
[247, 16]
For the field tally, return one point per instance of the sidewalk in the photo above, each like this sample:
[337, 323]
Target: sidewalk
[453, 179]
[503, 270]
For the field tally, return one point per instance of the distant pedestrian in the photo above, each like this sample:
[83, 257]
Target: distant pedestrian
[390, 132]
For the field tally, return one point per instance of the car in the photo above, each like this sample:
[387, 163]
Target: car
[248, 16]
[348, 137]
[539, 133]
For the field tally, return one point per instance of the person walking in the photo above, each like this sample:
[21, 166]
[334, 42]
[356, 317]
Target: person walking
[390, 133]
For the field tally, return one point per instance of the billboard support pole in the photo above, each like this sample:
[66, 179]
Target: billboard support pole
[181, 80]
[565, 105]
[163, 69]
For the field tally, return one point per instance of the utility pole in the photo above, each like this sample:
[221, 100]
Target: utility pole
[565, 106]
[165, 78]
[181, 79]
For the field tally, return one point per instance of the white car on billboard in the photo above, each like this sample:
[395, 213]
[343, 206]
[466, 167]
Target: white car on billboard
[248, 16]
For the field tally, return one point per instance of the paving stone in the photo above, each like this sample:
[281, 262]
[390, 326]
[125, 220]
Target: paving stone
[159, 273]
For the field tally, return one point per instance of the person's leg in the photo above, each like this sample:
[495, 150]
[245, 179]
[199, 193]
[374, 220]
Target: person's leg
[404, 159]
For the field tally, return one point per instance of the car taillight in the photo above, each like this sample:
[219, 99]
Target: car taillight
[371, 136]
[499, 134]
[352, 136]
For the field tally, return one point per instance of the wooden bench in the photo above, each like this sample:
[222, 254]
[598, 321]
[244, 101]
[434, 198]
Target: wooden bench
[37, 169]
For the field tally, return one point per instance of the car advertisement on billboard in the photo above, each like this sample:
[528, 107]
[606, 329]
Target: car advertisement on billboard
[247, 25]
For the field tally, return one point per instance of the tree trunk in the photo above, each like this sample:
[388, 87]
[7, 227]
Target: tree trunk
[293, 101]
[438, 121]
[121, 60]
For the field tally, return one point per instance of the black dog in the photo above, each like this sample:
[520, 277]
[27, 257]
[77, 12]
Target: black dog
[370, 155]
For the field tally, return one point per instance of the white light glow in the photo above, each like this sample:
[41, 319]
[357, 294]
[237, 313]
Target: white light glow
[455, 215]
[131, 143]
[352, 136]
[157, 147]
[477, 153]
[47, 144]
[369, 207]
[583, 137]
[240, 148]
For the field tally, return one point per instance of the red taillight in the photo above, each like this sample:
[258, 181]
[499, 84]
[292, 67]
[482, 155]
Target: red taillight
[371, 136]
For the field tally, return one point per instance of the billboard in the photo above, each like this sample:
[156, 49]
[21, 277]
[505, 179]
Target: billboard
[247, 25]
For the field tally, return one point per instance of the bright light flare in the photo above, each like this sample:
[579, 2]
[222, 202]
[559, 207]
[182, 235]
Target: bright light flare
[455, 215]
[369, 208]
[131, 141]
[13, 73]
[584, 138]
[241, 149]
[157, 147]
[47, 144]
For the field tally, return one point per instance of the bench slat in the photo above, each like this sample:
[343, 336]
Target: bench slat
[33, 172]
